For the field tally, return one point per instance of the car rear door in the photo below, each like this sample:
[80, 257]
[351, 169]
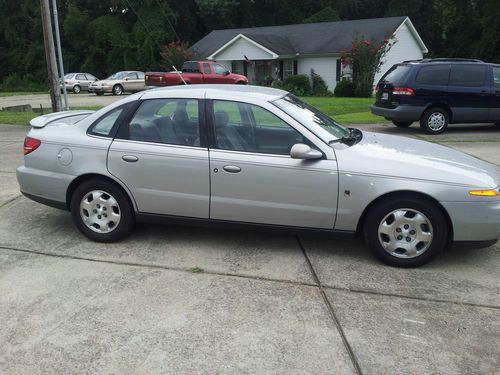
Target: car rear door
[254, 179]
[159, 154]
[469, 92]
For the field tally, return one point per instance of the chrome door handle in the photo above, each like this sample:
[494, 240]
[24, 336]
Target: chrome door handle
[232, 168]
[130, 158]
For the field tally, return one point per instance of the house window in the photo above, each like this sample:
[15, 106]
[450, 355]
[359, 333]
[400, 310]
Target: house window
[237, 67]
[287, 68]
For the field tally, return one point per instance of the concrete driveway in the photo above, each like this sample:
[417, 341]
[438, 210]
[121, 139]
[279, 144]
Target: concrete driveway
[183, 300]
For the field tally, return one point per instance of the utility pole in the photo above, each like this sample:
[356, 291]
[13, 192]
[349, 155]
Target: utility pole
[50, 56]
[59, 53]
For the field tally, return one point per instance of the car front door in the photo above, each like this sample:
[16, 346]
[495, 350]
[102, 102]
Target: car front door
[158, 155]
[254, 179]
[469, 92]
[495, 97]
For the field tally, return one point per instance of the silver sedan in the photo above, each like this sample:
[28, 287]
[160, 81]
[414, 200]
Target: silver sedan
[244, 155]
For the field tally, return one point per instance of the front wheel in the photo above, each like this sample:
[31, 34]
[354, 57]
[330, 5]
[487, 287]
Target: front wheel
[117, 90]
[406, 232]
[434, 121]
[102, 211]
[402, 124]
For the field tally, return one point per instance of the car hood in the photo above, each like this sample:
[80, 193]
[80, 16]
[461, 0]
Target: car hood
[402, 157]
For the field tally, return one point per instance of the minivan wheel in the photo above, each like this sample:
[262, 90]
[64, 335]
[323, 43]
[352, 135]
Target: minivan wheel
[101, 211]
[434, 121]
[405, 232]
[117, 90]
[402, 124]
[77, 89]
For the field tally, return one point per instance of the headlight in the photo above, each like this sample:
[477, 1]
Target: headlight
[486, 193]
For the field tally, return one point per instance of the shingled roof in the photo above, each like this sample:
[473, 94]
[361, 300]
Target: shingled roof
[305, 39]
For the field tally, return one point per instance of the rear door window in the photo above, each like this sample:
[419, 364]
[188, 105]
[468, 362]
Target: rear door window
[397, 74]
[436, 75]
[467, 75]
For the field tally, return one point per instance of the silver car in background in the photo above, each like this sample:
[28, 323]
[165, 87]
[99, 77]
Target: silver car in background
[246, 155]
[120, 82]
[76, 82]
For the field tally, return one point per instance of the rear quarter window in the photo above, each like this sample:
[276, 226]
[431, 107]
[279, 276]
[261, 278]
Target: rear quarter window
[397, 74]
[436, 75]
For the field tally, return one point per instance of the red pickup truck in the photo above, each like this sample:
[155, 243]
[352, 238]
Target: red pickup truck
[194, 72]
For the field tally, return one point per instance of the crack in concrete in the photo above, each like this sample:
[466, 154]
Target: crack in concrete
[330, 309]
[10, 200]
[258, 278]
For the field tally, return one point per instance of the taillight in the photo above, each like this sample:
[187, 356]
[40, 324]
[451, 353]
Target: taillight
[31, 144]
[66, 82]
[402, 91]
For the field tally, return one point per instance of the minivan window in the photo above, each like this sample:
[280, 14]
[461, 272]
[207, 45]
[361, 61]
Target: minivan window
[397, 74]
[433, 75]
[496, 76]
[467, 75]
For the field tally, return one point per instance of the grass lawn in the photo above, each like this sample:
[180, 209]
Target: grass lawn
[23, 118]
[346, 110]
[20, 93]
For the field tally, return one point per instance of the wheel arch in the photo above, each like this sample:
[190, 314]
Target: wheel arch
[441, 105]
[90, 176]
[404, 194]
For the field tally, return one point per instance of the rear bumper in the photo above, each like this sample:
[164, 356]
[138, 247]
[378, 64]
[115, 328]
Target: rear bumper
[474, 221]
[44, 186]
[400, 113]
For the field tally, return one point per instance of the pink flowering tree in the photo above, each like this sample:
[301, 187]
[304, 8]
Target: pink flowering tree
[365, 57]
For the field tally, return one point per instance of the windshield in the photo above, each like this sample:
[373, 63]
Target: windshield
[320, 124]
[118, 75]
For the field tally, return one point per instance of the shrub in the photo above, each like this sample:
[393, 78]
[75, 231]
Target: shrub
[318, 85]
[298, 85]
[345, 88]
[27, 82]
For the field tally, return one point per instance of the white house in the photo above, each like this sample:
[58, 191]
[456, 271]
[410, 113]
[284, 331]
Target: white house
[267, 53]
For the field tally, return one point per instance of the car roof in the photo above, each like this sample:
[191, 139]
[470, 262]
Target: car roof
[212, 91]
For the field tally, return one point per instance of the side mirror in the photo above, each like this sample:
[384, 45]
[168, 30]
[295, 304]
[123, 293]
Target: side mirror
[126, 78]
[302, 151]
[227, 72]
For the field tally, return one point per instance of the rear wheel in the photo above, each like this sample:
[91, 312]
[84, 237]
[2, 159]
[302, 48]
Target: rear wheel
[102, 211]
[77, 89]
[434, 121]
[402, 124]
[406, 232]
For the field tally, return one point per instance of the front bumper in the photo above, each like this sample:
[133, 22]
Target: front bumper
[400, 113]
[474, 221]
[99, 89]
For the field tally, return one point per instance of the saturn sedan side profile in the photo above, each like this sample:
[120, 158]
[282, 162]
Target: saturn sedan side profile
[246, 155]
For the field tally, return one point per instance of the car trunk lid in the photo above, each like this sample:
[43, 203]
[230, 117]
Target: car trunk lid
[63, 117]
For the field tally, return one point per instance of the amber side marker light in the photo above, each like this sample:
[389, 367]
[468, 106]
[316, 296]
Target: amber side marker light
[485, 193]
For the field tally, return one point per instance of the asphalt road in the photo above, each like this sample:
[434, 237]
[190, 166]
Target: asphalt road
[263, 304]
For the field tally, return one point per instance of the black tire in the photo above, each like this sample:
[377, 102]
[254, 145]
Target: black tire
[382, 213]
[434, 120]
[77, 89]
[99, 93]
[402, 124]
[116, 232]
[117, 90]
